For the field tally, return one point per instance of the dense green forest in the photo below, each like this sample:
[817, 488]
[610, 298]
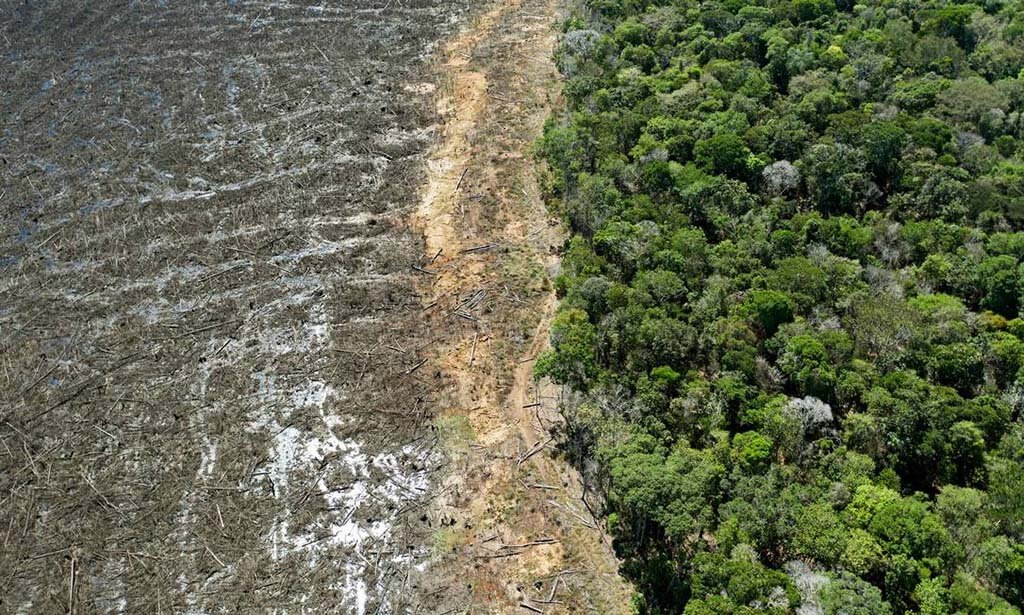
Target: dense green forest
[791, 300]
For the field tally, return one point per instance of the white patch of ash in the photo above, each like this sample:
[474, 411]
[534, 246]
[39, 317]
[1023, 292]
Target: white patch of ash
[170, 195]
[152, 312]
[322, 248]
[183, 273]
[422, 89]
[75, 266]
[26, 608]
[360, 219]
[361, 490]
[360, 596]
[287, 444]
[313, 393]
[109, 588]
[208, 451]
[375, 480]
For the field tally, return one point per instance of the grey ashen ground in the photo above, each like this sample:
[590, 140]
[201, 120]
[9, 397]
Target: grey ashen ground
[208, 322]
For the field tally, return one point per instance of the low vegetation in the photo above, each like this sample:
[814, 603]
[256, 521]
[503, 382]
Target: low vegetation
[791, 301]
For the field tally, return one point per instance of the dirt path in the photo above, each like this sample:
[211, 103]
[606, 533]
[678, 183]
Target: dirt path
[512, 533]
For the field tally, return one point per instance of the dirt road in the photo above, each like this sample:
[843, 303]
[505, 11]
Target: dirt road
[510, 522]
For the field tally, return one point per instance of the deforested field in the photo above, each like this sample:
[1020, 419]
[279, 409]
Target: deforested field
[208, 335]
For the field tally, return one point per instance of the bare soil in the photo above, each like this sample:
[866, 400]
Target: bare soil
[513, 532]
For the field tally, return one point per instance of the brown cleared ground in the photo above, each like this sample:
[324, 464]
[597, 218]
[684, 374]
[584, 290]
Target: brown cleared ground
[513, 534]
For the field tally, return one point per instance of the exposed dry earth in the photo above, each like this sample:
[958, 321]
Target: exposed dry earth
[514, 534]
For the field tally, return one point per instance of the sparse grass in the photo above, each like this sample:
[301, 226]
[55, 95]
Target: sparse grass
[456, 432]
[448, 540]
[524, 272]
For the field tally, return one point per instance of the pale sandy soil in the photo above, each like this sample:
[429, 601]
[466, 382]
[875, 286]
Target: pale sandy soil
[513, 534]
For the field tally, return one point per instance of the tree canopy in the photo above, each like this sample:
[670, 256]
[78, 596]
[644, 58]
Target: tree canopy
[792, 299]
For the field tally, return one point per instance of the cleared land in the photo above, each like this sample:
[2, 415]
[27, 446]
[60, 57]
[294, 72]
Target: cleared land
[514, 534]
[209, 324]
